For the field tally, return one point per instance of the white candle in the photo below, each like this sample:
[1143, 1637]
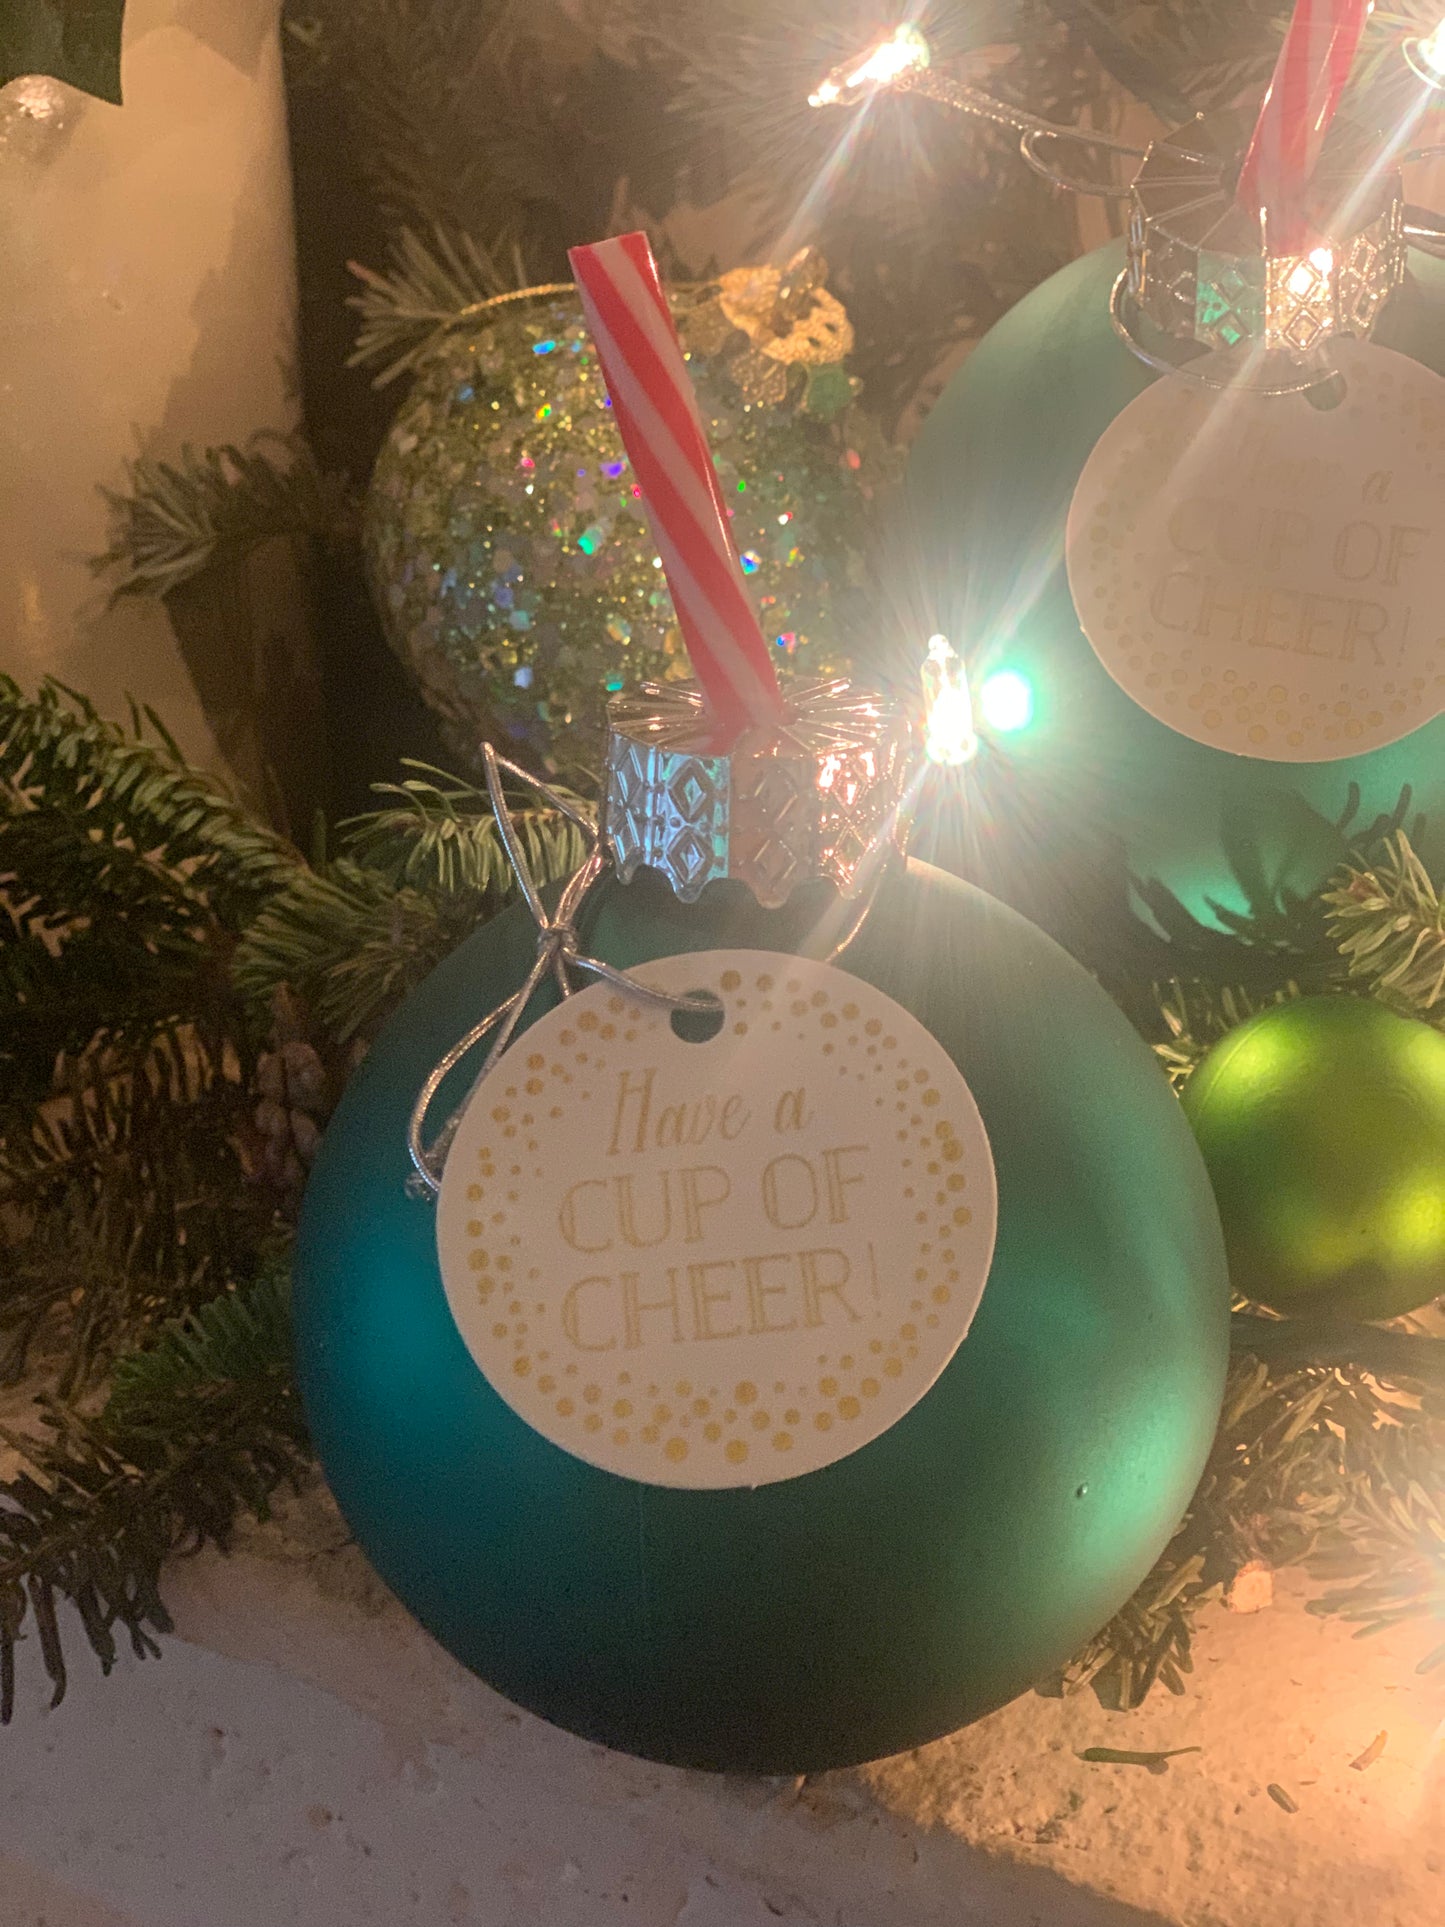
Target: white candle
[149, 301]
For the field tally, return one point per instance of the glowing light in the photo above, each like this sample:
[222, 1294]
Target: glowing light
[37, 97]
[949, 737]
[905, 52]
[1305, 275]
[1006, 701]
[1427, 56]
[751, 562]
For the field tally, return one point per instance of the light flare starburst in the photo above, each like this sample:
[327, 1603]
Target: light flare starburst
[904, 52]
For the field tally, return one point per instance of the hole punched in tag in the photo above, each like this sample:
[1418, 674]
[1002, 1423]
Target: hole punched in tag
[1328, 393]
[701, 1019]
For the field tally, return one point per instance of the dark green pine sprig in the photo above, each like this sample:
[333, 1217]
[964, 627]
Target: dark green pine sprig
[198, 1428]
[1329, 1467]
[173, 977]
[151, 930]
[1388, 924]
[177, 520]
[128, 1161]
[409, 881]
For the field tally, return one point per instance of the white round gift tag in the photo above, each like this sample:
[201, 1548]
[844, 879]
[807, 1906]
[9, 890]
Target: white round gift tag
[720, 1263]
[1267, 576]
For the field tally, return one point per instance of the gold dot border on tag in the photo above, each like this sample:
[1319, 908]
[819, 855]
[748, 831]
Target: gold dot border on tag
[733, 1423]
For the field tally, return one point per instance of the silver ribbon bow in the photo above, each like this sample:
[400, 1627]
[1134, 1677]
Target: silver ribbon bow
[557, 956]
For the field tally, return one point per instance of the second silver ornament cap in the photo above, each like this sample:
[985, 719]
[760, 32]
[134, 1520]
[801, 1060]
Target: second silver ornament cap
[819, 795]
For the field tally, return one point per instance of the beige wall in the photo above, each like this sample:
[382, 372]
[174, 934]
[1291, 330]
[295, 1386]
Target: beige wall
[148, 300]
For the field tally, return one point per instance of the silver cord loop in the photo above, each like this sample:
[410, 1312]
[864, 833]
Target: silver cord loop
[557, 955]
[1103, 189]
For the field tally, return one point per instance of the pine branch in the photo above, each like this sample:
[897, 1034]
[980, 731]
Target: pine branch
[133, 1192]
[197, 1432]
[348, 944]
[1181, 56]
[215, 507]
[1326, 1467]
[440, 836]
[1387, 1352]
[128, 1162]
[240, 1337]
[465, 114]
[519, 126]
[1388, 924]
[416, 877]
[428, 291]
[96, 781]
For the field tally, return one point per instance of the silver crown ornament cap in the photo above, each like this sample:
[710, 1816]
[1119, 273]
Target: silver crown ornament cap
[814, 796]
[1201, 269]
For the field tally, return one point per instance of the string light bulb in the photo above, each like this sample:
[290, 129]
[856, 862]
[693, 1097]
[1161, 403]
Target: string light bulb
[1427, 56]
[1006, 702]
[904, 52]
[949, 737]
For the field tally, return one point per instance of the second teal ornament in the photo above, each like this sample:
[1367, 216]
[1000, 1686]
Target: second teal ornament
[990, 483]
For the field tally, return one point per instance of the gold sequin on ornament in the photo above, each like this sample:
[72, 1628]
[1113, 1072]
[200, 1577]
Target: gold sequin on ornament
[507, 543]
[769, 321]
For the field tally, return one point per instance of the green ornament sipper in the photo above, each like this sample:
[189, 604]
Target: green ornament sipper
[788, 1621]
[808, 1324]
[1160, 499]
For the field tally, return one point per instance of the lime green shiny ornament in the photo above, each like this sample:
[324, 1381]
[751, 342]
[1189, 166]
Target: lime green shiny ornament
[989, 484]
[507, 546]
[1322, 1124]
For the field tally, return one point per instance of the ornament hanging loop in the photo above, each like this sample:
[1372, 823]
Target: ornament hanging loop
[557, 957]
[1104, 187]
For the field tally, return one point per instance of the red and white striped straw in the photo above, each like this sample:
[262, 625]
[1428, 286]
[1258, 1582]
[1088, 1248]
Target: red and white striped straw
[662, 431]
[1309, 77]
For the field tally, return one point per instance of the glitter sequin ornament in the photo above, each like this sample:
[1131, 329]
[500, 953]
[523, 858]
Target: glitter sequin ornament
[508, 549]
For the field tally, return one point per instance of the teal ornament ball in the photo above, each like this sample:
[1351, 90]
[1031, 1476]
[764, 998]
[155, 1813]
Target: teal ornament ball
[904, 1589]
[1322, 1122]
[989, 486]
